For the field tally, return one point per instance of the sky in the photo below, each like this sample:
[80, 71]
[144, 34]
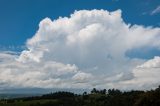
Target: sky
[80, 44]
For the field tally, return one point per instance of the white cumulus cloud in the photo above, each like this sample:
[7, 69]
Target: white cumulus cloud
[87, 49]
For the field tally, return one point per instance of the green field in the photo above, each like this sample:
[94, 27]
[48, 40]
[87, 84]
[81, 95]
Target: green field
[28, 103]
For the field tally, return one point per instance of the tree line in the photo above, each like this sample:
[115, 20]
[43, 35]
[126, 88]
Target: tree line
[111, 97]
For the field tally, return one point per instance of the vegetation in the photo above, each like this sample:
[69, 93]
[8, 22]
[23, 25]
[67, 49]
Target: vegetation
[111, 97]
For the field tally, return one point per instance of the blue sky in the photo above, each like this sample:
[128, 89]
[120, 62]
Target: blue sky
[19, 18]
[79, 44]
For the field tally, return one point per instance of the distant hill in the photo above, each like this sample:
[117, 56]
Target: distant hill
[26, 92]
[10, 96]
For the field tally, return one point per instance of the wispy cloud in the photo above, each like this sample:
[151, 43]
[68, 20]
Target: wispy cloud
[12, 48]
[156, 10]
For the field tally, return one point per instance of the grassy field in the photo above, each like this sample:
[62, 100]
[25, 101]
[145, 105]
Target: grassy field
[27, 103]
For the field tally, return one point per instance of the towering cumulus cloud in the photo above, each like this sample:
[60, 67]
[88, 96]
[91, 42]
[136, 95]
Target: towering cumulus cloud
[86, 50]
